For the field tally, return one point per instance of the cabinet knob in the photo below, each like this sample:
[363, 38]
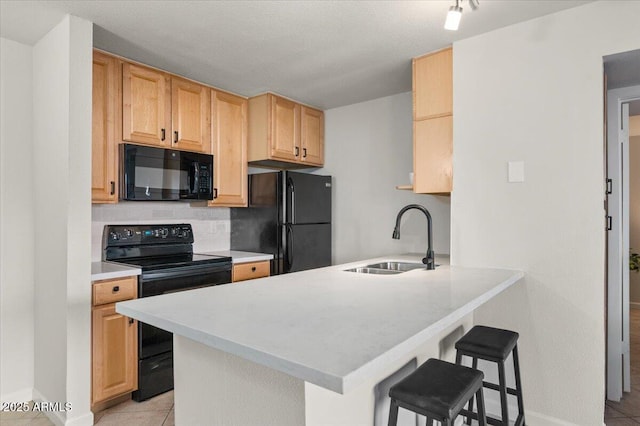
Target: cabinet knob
[175, 137]
[253, 269]
[116, 288]
[297, 151]
[131, 321]
[113, 187]
[304, 152]
[163, 136]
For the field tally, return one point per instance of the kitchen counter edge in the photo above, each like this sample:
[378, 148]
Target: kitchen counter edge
[101, 271]
[238, 257]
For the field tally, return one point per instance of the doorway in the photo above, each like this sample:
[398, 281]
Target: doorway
[623, 193]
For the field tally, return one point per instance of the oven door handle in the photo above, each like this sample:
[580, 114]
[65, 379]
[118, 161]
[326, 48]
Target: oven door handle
[182, 272]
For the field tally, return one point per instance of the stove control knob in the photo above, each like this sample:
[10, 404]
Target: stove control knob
[128, 233]
[164, 232]
[114, 236]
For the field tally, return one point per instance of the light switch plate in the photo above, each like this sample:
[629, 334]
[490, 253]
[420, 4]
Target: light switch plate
[516, 171]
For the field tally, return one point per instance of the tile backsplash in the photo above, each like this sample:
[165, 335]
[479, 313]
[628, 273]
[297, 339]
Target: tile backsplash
[211, 227]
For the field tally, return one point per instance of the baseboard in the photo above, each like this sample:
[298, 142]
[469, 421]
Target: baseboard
[23, 395]
[634, 305]
[540, 419]
[57, 417]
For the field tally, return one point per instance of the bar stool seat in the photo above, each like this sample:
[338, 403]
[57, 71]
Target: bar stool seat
[438, 390]
[495, 345]
[490, 343]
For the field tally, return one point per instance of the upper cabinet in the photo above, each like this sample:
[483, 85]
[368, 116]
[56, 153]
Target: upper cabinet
[190, 115]
[433, 85]
[163, 110]
[433, 122]
[146, 105]
[103, 129]
[312, 136]
[229, 149]
[284, 133]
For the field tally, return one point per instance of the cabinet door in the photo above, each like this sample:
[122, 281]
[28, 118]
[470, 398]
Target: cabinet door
[229, 148]
[146, 106]
[190, 115]
[432, 156]
[433, 85]
[285, 129]
[103, 137]
[312, 136]
[115, 353]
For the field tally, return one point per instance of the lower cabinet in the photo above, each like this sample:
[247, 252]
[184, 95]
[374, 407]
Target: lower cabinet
[114, 362]
[251, 270]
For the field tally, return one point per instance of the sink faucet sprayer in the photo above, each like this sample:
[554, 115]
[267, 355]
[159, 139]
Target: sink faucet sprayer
[429, 259]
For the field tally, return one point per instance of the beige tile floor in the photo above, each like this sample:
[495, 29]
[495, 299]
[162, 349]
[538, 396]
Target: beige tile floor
[156, 411]
[627, 411]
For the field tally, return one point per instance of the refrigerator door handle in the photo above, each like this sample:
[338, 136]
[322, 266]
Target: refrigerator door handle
[292, 200]
[289, 248]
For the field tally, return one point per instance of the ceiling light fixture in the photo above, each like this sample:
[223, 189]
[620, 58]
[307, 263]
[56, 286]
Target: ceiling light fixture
[455, 14]
[453, 17]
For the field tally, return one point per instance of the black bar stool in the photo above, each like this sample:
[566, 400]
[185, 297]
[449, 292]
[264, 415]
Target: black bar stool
[494, 344]
[438, 390]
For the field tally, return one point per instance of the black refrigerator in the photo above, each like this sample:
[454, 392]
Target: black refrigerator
[289, 216]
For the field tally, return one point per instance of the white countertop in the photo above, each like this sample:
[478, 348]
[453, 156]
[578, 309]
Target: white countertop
[109, 270]
[326, 326]
[241, 256]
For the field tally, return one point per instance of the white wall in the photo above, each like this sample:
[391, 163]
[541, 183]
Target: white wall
[368, 151]
[62, 172]
[211, 227]
[534, 92]
[16, 223]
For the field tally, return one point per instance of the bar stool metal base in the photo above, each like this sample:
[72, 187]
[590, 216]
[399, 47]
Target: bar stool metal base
[495, 345]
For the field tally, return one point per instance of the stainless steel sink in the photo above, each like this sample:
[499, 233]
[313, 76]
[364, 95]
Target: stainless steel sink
[397, 266]
[373, 271]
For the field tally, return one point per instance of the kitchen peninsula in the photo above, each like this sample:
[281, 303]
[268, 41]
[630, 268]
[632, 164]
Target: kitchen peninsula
[308, 348]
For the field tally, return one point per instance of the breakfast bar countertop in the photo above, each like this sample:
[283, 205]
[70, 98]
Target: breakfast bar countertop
[326, 326]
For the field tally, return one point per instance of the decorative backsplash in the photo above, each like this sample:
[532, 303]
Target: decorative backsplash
[211, 227]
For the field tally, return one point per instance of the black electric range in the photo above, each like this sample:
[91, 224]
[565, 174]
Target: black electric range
[165, 255]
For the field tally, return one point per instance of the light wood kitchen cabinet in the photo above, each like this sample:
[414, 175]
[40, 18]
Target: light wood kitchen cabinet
[433, 122]
[312, 136]
[251, 270]
[433, 85]
[163, 110]
[190, 115]
[146, 105]
[114, 361]
[281, 131]
[229, 149]
[104, 146]
[432, 155]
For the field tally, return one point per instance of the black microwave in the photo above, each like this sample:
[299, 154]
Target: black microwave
[157, 174]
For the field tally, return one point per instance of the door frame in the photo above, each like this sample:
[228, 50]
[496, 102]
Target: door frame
[618, 365]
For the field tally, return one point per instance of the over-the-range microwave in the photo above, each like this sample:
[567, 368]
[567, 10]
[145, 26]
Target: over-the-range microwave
[157, 174]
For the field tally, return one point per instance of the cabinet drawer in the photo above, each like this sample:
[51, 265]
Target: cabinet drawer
[249, 271]
[110, 291]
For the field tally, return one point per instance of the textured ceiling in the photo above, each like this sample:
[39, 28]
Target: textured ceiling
[324, 53]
